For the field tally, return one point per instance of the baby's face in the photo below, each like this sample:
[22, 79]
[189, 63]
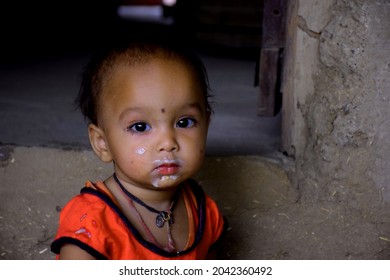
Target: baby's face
[155, 122]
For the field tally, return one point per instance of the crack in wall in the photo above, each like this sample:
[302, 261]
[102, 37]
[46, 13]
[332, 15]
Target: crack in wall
[302, 24]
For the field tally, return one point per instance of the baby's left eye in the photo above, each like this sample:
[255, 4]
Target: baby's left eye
[139, 127]
[186, 123]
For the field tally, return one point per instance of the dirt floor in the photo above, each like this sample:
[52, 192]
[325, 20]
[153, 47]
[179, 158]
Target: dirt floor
[266, 218]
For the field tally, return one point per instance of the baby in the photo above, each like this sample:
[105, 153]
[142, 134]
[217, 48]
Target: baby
[148, 110]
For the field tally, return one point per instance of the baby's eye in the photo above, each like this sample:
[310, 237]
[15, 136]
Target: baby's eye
[186, 123]
[139, 127]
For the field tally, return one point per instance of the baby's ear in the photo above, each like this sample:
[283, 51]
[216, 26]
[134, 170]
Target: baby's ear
[99, 144]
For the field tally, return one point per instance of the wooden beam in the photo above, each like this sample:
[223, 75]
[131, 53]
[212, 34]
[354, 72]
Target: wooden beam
[271, 56]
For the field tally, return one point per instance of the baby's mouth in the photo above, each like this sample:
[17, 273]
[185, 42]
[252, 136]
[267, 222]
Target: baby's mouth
[167, 167]
[166, 172]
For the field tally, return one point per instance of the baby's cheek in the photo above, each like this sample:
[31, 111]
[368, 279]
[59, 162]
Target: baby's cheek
[136, 156]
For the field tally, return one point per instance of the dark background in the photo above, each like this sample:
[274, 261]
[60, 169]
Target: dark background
[42, 27]
[36, 28]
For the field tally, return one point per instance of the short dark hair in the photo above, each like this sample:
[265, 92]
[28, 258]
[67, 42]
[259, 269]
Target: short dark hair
[102, 64]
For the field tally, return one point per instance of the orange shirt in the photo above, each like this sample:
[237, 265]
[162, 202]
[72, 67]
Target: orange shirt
[94, 222]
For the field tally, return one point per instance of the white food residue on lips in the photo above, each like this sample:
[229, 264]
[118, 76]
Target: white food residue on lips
[164, 180]
[169, 177]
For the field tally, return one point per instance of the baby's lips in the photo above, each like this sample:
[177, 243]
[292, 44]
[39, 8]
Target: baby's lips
[168, 169]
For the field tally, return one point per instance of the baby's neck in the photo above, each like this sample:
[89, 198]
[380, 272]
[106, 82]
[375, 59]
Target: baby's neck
[156, 198]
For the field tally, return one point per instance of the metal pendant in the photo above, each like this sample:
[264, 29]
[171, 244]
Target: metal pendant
[163, 217]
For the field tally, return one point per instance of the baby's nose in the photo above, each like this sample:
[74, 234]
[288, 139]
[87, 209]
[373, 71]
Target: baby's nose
[168, 141]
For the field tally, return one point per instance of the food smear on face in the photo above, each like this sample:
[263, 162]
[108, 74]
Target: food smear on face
[164, 180]
[166, 172]
[140, 151]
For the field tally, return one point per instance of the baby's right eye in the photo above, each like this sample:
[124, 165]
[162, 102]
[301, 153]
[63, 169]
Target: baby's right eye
[139, 127]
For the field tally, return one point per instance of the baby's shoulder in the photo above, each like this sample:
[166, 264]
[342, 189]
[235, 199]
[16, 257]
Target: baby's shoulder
[91, 201]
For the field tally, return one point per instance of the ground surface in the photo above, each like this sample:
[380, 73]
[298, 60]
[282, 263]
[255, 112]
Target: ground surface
[254, 193]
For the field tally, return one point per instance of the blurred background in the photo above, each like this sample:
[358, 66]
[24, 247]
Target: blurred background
[47, 26]
[44, 46]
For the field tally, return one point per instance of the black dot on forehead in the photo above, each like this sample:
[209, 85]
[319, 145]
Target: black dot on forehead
[162, 110]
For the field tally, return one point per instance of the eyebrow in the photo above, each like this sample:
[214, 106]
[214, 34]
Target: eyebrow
[130, 109]
[195, 105]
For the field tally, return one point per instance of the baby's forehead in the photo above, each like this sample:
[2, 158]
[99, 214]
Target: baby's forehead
[150, 71]
[150, 62]
[143, 85]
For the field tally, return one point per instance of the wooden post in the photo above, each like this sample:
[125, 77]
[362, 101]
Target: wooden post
[271, 57]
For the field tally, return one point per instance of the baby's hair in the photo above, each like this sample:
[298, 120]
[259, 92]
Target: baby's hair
[98, 71]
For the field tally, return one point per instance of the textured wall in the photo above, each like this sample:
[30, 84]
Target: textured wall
[341, 89]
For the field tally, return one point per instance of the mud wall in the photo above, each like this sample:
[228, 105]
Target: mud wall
[336, 113]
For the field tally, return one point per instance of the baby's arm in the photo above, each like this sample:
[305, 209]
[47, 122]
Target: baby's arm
[73, 252]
